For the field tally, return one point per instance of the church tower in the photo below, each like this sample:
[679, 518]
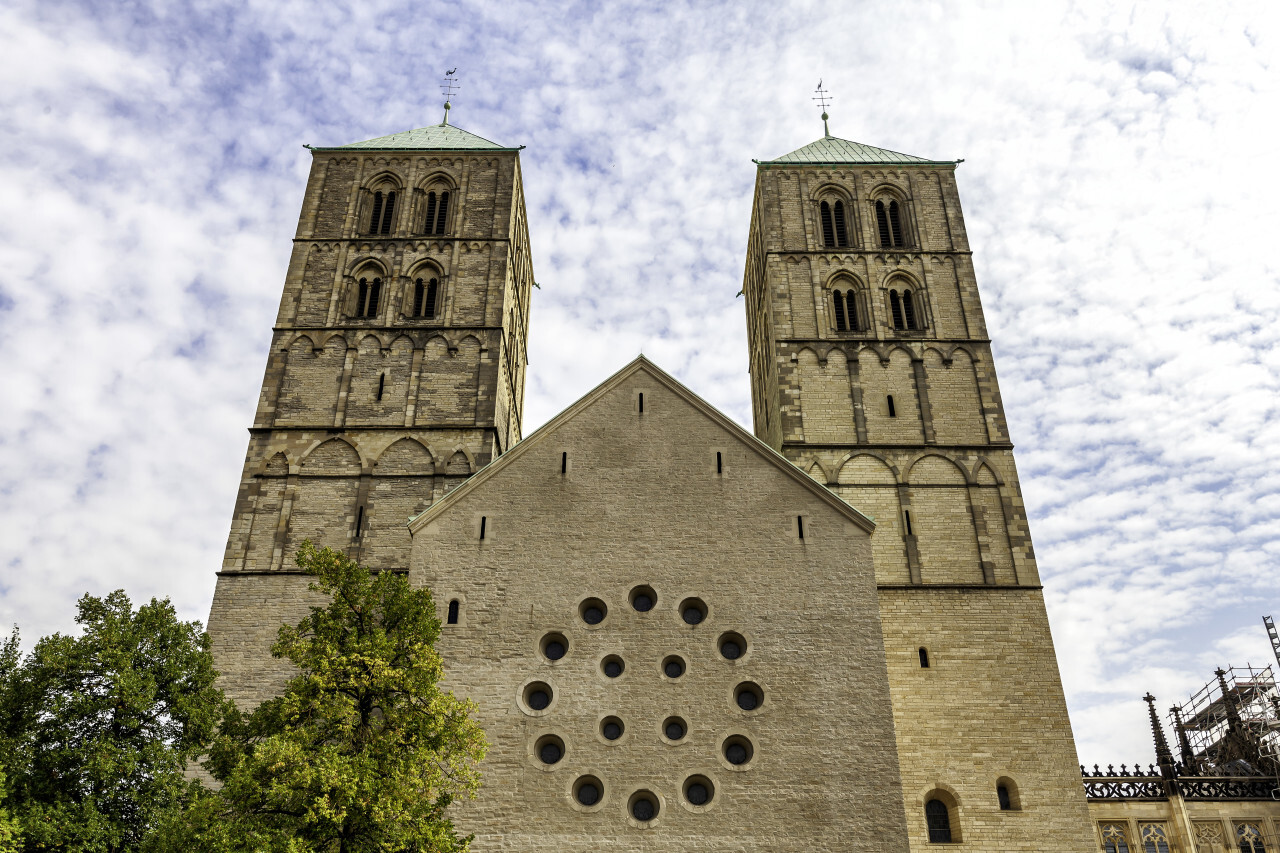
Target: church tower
[871, 370]
[396, 370]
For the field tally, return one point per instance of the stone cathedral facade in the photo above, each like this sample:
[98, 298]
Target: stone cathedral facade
[829, 635]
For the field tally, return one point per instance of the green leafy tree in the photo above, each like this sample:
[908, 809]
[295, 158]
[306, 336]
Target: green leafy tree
[364, 751]
[96, 731]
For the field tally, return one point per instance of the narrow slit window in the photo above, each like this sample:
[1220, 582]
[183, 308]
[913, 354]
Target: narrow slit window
[909, 310]
[642, 404]
[452, 618]
[719, 463]
[893, 411]
[882, 225]
[564, 462]
[842, 233]
[359, 521]
[484, 521]
[924, 658]
[838, 298]
[906, 516]
[382, 384]
[895, 224]
[800, 526]
[375, 220]
[387, 211]
[828, 232]
[895, 308]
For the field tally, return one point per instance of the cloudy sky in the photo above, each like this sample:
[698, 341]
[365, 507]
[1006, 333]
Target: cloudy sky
[1119, 189]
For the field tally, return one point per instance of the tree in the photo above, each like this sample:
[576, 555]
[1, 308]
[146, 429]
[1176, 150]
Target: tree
[364, 751]
[96, 731]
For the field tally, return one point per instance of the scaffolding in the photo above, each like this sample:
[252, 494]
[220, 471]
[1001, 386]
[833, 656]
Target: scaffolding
[1231, 726]
[1271, 633]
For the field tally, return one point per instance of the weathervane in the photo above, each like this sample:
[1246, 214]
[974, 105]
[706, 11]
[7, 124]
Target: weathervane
[447, 88]
[822, 98]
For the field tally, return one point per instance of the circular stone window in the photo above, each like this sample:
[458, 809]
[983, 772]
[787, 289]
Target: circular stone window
[674, 729]
[553, 646]
[673, 666]
[643, 806]
[748, 696]
[732, 646]
[612, 666]
[643, 598]
[537, 696]
[738, 750]
[592, 611]
[698, 791]
[587, 791]
[693, 611]
[549, 749]
[611, 728]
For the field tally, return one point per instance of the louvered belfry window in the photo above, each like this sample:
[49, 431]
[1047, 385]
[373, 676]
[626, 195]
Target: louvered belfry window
[424, 298]
[895, 224]
[838, 298]
[842, 233]
[889, 225]
[437, 212]
[909, 310]
[367, 296]
[384, 207]
[895, 308]
[882, 225]
[828, 229]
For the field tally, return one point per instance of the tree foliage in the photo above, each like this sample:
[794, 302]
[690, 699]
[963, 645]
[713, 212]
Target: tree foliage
[96, 731]
[364, 751]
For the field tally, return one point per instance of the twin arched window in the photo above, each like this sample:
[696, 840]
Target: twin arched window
[845, 303]
[384, 208]
[367, 296]
[906, 316]
[889, 224]
[426, 291]
[437, 212]
[834, 230]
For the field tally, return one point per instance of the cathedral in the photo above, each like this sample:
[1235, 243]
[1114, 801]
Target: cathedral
[829, 635]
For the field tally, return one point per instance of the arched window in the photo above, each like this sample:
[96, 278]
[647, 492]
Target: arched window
[453, 612]
[924, 658]
[903, 308]
[437, 212]
[938, 818]
[367, 297]
[384, 207]
[425, 292]
[1002, 796]
[895, 308]
[851, 309]
[889, 225]
[828, 228]
[1250, 837]
[909, 310]
[1114, 838]
[838, 298]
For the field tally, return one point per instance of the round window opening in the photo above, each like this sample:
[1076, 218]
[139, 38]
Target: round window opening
[674, 728]
[554, 646]
[643, 806]
[549, 749]
[738, 750]
[587, 790]
[748, 695]
[537, 696]
[732, 646]
[612, 666]
[698, 790]
[693, 611]
[612, 728]
[592, 611]
[673, 666]
[643, 598]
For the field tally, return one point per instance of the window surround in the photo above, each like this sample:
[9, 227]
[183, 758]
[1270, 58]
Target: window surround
[891, 224]
[382, 200]
[905, 306]
[437, 203]
[414, 305]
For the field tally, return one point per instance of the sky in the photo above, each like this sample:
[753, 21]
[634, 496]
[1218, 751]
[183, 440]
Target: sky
[1118, 187]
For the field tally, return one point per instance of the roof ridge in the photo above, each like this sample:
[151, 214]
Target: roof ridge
[834, 150]
[436, 137]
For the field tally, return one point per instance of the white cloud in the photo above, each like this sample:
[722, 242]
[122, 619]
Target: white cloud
[1117, 188]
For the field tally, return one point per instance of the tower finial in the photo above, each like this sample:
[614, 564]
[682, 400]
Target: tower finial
[447, 88]
[822, 98]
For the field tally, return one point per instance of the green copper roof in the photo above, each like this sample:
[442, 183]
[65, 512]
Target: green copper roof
[438, 137]
[833, 150]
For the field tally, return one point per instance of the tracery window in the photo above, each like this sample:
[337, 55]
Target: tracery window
[384, 207]
[1250, 837]
[1155, 837]
[938, 819]
[834, 230]
[437, 212]
[1115, 838]
[367, 295]
[426, 292]
[889, 224]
